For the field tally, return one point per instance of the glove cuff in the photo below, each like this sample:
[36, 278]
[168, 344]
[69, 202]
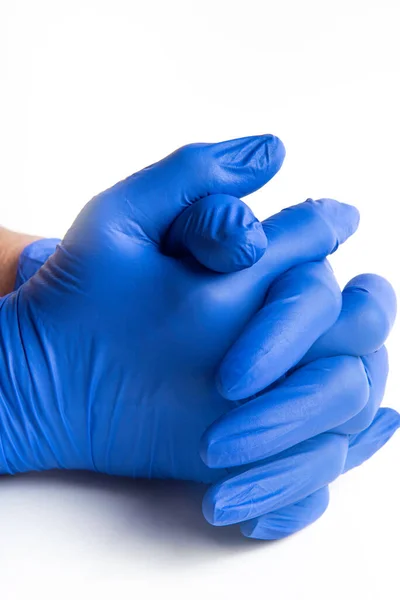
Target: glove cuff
[33, 257]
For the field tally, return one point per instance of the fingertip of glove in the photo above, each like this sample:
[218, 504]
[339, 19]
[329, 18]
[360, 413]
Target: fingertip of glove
[208, 455]
[213, 513]
[261, 155]
[239, 251]
[252, 530]
[381, 295]
[224, 388]
[365, 444]
[248, 529]
[270, 156]
[222, 233]
[391, 418]
[342, 218]
[276, 150]
[229, 383]
[248, 249]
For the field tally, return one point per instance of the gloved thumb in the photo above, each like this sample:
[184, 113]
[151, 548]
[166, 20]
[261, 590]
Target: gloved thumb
[147, 202]
[220, 231]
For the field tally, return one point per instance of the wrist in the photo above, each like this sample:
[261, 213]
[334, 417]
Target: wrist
[11, 246]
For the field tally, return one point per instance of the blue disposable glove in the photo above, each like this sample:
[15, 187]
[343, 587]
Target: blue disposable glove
[110, 350]
[368, 309]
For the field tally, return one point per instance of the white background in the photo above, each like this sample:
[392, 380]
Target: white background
[93, 90]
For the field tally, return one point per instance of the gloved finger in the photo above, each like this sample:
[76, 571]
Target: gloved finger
[278, 482]
[365, 444]
[376, 366]
[367, 316]
[281, 523]
[33, 257]
[314, 399]
[300, 306]
[146, 203]
[220, 231]
[306, 232]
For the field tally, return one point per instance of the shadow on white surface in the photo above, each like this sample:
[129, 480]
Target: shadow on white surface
[160, 519]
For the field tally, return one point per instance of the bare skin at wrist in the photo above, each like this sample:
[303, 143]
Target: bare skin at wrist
[11, 246]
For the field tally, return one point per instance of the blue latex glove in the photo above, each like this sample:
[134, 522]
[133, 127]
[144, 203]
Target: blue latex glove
[120, 343]
[368, 310]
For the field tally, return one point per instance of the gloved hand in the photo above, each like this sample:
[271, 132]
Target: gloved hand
[110, 350]
[294, 409]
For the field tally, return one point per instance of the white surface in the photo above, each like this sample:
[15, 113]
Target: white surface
[91, 91]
